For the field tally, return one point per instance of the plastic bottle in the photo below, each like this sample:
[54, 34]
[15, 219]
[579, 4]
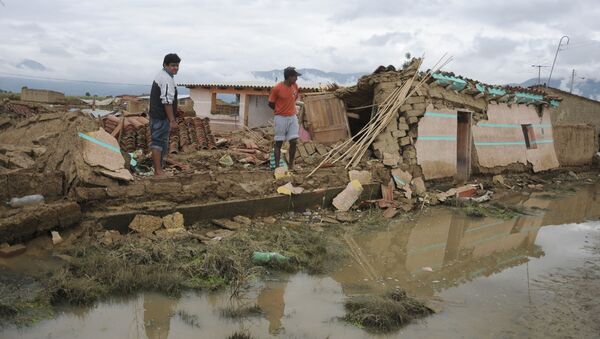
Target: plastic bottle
[265, 257]
[26, 200]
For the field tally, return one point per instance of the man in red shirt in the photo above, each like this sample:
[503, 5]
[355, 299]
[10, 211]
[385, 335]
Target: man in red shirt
[283, 102]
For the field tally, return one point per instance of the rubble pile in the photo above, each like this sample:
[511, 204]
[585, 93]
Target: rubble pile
[23, 109]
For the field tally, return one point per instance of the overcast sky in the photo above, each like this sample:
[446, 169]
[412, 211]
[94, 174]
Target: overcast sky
[124, 41]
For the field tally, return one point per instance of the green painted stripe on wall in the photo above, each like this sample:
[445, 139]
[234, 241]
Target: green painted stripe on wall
[510, 143]
[440, 115]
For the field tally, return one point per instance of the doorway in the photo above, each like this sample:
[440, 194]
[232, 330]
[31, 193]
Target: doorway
[463, 147]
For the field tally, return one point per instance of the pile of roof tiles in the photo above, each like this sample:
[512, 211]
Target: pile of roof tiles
[23, 109]
[134, 133]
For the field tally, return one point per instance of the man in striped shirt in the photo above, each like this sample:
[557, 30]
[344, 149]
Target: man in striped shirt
[163, 105]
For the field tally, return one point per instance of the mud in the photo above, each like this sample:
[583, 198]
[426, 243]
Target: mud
[513, 275]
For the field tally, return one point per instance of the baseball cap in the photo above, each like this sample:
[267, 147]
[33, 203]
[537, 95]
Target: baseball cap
[290, 71]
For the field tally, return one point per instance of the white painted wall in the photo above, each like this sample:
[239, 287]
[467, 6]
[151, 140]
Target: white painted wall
[218, 123]
[259, 112]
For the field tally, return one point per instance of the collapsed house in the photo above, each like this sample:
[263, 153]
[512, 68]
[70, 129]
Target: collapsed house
[453, 126]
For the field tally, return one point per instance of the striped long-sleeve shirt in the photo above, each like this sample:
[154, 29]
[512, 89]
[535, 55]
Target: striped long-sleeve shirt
[164, 92]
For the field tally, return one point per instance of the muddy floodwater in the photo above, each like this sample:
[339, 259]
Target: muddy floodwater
[536, 275]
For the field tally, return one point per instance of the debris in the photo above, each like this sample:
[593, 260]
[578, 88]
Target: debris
[219, 234]
[486, 197]
[390, 159]
[346, 217]
[498, 179]
[242, 220]
[269, 220]
[466, 191]
[419, 186]
[145, 224]
[281, 172]
[348, 196]
[56, 238]
[571, 173]
[329, 220]
[26, 200]
[427, 269]
[226, 160]
[101, 149]
[364, 177]
[11, 251]
[174, 221]
[289, 189]
[227, 224]
[390, 212]
[536, 187]
[266, 257]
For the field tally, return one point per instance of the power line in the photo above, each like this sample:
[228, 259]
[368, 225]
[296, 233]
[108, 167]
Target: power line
[71, 80]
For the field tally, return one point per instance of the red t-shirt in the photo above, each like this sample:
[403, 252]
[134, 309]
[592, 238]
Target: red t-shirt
[284, 98]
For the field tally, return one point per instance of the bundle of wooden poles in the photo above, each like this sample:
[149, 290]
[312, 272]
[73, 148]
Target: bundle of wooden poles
[353, 149]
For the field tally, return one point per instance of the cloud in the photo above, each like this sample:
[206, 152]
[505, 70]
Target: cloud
[32, 65]
[494, 42]
[389, 37]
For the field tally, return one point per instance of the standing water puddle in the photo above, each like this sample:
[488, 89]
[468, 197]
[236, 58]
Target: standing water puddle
[485, 273]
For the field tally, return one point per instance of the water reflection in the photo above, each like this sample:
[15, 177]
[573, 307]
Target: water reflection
[440, 250]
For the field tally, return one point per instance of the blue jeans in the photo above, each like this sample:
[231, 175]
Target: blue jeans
[159, 130]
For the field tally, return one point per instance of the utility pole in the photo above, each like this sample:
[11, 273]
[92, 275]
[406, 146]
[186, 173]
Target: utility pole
[573, 80]
[556, 55]
[539, 67]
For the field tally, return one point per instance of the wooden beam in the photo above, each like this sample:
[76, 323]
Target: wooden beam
[353, 115]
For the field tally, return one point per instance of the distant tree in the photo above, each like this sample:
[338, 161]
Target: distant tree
[87, 94]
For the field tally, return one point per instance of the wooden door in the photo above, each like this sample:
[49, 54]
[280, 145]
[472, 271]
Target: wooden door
[325, 117]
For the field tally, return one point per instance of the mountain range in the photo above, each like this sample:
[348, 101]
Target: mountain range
[588, 88]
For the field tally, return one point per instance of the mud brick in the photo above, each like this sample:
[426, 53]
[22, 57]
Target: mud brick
[4, 196]
[413, 120]
[405, 141]
[406, 108]
[412, 133]
[321, 149]
[401, 121]
[403, 127]
[415, 113]
[90, 193]
[116, 191]
[414, 100]
[399, 134]
[69, 213]
[163, 186]
[310, 148]
[227, 224]
[136, 190]
[11, 251]
[420, 106]
[302, 151]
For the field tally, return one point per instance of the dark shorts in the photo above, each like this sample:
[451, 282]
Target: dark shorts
[159, 130]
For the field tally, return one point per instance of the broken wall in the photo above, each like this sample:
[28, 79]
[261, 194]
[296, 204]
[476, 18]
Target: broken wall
[436, 144]
[42, 95]
[500, 141]
[575, 145]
